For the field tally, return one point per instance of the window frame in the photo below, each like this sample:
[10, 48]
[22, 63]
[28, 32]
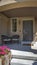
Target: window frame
[11, 24]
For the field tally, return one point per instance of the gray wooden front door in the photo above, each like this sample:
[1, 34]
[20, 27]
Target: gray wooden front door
[27, 30]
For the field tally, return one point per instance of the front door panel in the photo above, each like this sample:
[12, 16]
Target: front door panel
[27, 30]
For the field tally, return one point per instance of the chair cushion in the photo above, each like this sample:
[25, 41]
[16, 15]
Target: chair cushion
[15, 36]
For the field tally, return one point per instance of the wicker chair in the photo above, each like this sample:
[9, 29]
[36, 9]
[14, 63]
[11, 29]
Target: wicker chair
[5, 39]
[15, 38]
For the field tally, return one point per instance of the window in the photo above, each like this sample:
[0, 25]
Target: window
[14, 25]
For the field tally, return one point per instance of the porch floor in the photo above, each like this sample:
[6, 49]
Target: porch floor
[20, 47]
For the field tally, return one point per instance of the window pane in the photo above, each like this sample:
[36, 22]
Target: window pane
[14, 25]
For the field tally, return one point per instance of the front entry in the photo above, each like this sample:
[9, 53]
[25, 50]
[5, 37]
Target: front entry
[27, 30]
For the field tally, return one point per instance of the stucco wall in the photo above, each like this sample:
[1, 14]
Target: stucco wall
[36, 29]
[8, 27]
[3, 25]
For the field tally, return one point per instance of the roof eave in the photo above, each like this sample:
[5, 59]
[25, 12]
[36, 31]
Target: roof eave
[18, 5]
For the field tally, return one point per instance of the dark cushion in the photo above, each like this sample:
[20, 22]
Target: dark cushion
[5, 38]
[15, 36]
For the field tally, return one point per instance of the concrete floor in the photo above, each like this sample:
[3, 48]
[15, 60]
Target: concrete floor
[21, 47]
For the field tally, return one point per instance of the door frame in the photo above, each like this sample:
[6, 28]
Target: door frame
[29, 18]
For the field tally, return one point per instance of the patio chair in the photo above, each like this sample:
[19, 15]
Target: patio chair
[15, 39]
[5, 39]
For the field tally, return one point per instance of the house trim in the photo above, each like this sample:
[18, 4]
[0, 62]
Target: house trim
[11, 25]
[18, 5]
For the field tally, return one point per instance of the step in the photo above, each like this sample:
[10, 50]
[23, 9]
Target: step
[15, 61]
[23, 55]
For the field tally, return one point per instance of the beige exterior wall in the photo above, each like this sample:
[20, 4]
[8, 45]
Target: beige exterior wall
[0, 29]
[9, 28]
[36, 29]
[3, 25]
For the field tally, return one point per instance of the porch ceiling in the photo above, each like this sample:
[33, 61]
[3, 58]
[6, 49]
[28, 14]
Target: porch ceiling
[21, 12]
